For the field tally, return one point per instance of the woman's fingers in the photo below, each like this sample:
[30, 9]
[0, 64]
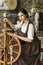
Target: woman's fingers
[15, 35]
[5, 20]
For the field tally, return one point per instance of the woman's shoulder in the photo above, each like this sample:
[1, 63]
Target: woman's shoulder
[30, 22]
[31, 25]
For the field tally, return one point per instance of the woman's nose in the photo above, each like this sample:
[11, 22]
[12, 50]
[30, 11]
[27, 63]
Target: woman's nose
[20, 18]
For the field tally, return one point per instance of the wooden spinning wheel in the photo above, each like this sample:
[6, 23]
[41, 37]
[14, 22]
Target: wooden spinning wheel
[11, 49]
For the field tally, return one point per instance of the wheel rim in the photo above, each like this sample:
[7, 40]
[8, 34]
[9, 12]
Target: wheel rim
[17, 45]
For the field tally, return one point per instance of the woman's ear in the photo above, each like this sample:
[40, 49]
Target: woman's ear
[26, 15]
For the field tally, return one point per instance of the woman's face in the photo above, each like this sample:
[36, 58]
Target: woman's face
[21, 16]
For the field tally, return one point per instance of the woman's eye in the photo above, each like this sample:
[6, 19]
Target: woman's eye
[21, 15]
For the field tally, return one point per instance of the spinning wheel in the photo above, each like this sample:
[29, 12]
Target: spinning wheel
[11, 49]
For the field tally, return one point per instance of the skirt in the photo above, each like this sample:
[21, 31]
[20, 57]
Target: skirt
[29, 55]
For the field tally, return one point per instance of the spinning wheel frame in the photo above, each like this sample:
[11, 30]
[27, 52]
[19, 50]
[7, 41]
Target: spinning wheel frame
[4, 47]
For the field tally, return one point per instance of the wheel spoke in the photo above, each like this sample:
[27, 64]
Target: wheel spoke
[16, 45]
[1, 34]
[1, 55]
[11, 40]
[15, 52]
[12, 58]
[12, 52]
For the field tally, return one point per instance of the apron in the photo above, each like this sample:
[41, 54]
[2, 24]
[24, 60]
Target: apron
[30, 51]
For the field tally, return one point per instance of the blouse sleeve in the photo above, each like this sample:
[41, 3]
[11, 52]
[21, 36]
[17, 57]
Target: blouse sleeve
[17, 26]
[30, 31]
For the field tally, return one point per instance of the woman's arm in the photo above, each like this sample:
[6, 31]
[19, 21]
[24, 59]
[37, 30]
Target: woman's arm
[15, 27]
[30, 34]
[24, 38]
[11, 25]
[9, 22]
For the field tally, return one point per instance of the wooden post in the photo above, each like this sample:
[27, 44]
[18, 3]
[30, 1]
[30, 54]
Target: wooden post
[5, 45]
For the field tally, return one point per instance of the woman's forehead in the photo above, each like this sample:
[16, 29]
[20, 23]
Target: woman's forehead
[20, 13]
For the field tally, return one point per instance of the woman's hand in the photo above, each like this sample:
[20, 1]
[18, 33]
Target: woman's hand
[5, 20]
[15, 35]
[8, 22]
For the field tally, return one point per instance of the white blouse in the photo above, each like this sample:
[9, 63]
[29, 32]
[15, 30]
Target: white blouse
[30, 33]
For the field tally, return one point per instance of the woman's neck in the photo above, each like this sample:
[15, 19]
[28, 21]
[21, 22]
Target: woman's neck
[26, 21]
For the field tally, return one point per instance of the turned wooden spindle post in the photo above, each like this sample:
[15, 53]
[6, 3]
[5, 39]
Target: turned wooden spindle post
[5, 45]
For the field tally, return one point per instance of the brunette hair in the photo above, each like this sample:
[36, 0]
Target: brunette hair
[23, 11]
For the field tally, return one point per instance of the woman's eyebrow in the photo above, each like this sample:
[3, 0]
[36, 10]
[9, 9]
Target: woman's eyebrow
[18, 16]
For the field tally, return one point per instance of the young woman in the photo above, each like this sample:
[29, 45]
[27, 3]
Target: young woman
[27, 36]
